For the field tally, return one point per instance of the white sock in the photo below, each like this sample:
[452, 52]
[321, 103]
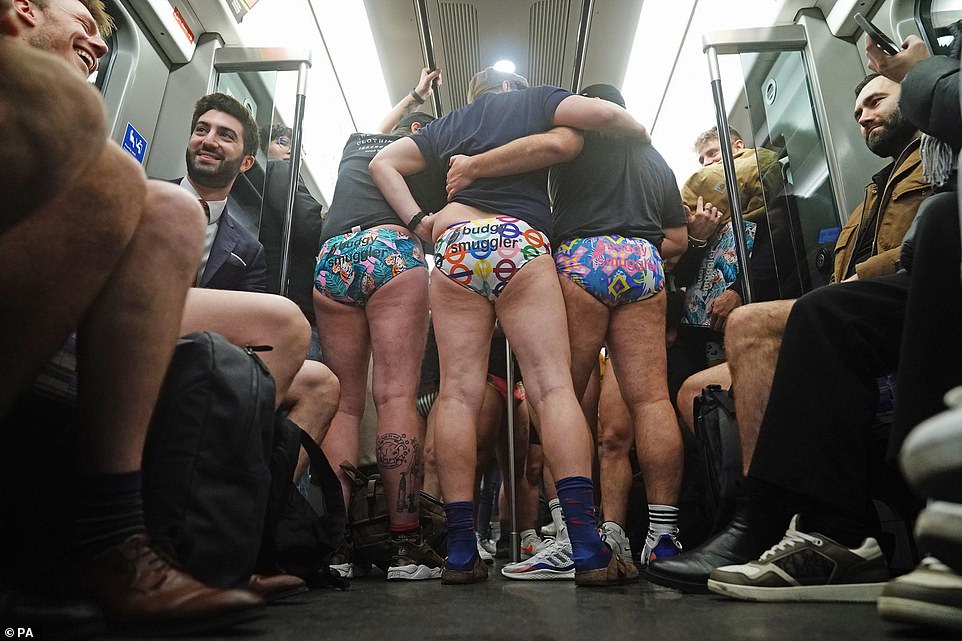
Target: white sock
[558, 519]
[662, 519]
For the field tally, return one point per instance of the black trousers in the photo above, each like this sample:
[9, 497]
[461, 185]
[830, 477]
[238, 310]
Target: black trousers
[816, 435]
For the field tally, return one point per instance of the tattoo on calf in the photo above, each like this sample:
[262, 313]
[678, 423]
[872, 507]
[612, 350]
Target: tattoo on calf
[398, 451]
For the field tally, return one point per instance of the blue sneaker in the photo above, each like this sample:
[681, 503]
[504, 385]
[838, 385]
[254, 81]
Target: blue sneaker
[660, 546]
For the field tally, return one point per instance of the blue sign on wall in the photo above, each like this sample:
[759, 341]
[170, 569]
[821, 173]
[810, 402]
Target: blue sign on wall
[134, 144]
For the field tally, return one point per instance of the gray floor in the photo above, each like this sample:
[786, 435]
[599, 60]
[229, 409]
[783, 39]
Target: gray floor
[502, 610]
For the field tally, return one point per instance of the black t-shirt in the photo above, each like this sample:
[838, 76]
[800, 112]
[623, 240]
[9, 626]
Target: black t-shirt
[615, 186]
[491, 121]
[358, 202]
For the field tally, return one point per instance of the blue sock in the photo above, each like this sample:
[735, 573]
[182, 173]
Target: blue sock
[577, 497]
[462, 544]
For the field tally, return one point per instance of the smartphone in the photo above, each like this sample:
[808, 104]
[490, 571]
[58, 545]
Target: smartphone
[882, 40]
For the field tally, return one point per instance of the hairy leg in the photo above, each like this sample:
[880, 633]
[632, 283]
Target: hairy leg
[636, 337]
[753, 337]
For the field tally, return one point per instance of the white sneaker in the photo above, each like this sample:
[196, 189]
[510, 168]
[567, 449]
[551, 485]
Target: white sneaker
[660, 546]
[617, 539]
[552, 563]
[549, 530]
[483, 552]
[531, 545]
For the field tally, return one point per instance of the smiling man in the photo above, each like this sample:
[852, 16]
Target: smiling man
[222, 144]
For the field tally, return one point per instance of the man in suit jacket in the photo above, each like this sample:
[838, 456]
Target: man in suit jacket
[222, 144]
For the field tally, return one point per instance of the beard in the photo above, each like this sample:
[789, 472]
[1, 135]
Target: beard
[895, 134]
[213, 176]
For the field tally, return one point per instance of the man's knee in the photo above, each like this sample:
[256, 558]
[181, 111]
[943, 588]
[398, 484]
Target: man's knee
[749, 324]
[173, 222]
[321, 381]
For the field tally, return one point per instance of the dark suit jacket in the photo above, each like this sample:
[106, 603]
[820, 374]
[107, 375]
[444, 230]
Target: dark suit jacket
[236, 259]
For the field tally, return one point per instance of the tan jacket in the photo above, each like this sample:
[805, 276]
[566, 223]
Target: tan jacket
[904, 191]
[709, 183]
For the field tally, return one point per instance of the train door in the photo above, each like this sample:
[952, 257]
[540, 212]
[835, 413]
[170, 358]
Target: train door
[798, 100]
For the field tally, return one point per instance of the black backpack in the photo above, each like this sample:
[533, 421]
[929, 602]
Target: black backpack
[301, 533]
[716, 433]
[206, 460]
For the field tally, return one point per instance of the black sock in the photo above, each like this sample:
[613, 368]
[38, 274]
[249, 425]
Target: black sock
[848, 531]
[109, 510]
[769, 507]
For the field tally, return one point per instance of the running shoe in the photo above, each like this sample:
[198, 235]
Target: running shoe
[552, 563]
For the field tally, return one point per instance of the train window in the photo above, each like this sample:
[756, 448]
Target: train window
[934, 18]
[99, 77]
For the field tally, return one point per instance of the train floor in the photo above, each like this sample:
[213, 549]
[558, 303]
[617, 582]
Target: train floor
[501, 610]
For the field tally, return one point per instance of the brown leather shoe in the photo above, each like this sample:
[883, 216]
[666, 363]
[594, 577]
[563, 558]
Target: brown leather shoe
[615, 573]
[141, 590]
[478, 572]
[276, 587]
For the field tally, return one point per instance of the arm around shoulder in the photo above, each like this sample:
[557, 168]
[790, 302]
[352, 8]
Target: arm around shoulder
[593, 114]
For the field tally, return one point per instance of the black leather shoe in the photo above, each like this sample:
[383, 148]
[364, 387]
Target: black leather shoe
[53, 618]
[740, 542]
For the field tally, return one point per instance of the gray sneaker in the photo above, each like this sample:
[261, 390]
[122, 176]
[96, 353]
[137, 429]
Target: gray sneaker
[806, 567]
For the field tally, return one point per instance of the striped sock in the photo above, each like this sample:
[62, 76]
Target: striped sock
[462, 543]
[662, 519]
[577, 501]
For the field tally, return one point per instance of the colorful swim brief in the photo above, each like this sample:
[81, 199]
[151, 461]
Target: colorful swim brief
[614, 269]
[352, 266]
[483, 255]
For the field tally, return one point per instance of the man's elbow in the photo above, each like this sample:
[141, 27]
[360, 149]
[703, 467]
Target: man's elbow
[379, 168]
[568, 144]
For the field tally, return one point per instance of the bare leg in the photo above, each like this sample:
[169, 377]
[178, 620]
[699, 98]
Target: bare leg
[346, 347]
[615, 436]
[543, 355]
[692, 387]
[636, 337]
[753, 337]
[397, 316]
[463, 322]
[490, 419]
[91, 224]
[431, 483]
[248, 318]
[128, 337]
[312, 401]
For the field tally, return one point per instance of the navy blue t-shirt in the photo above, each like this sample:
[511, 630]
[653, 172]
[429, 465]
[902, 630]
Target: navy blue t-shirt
[615, 186]
[491, 121]
[357, 201]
